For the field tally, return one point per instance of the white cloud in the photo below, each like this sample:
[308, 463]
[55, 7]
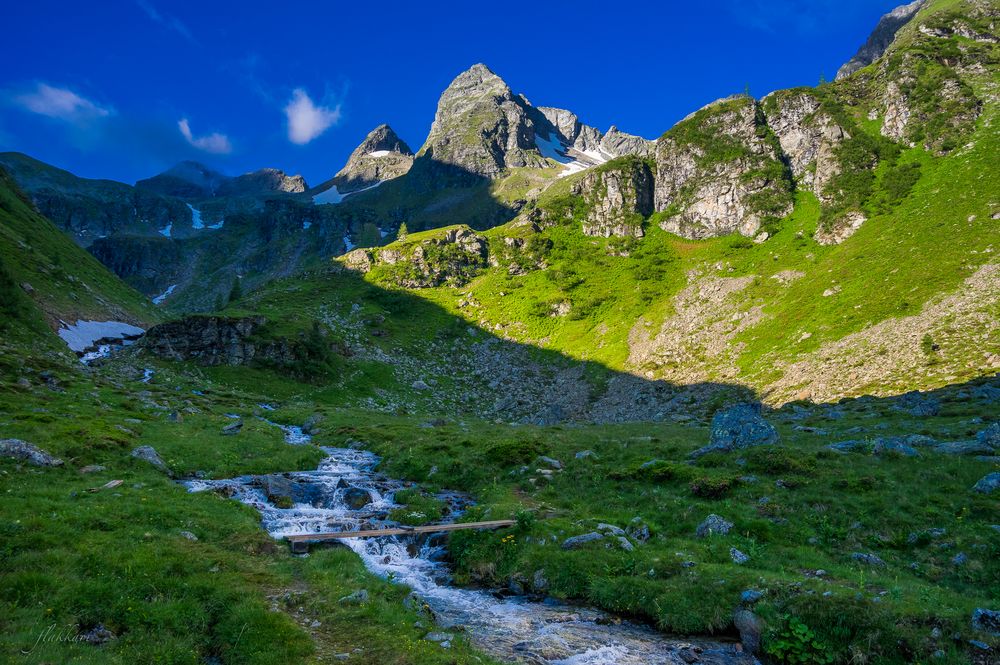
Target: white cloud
[306, 121]
[61, 103]
[170, 22]
[215, 143]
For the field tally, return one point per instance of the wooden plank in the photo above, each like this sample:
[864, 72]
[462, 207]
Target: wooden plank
[398, 531]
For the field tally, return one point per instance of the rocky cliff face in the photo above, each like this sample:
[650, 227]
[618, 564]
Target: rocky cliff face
[719, 171]
[881, 38]
[452, 257]
[481, 127]
[619, 196]
[214, 340]
[576, 136]
[809, 137]
[381, 156]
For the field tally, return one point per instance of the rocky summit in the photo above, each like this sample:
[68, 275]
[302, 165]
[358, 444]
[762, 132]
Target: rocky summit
[727, 392]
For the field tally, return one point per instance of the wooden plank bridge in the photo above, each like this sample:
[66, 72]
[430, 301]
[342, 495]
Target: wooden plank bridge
[300, 542]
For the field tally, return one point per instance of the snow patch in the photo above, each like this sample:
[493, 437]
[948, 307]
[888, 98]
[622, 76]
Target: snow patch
[166, 294]
[552, 148]
[85, 334]
[382, 234]
[165, 231]
[306, 225]
[379, 153]
[217, 225]
[196, 221]
[348, 244]
[332, 195]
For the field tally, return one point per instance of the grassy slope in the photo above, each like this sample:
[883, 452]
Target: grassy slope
[67, 282]
[936, 237]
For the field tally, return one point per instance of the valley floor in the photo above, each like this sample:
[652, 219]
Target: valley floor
[856, 557]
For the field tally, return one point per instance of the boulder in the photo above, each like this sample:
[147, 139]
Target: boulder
[24, 451]
[892, 445]
[738, 427]
[149, 454]
[233, 428]
[988, 483]
[749, 626]
[737, 556]
[357, 498]
[990, 436]
[579, 541]
[868, 559]
[987, 621]
[713, 525]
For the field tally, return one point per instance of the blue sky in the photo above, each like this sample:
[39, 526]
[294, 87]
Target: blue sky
[122, 89]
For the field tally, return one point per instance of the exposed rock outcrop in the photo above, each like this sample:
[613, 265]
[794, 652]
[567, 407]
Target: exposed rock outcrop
[808, 136]
[719, 172]
[26, 452]
[452, 257]
[619, 196]
[589, 140]
[881, 38]
[215, 340]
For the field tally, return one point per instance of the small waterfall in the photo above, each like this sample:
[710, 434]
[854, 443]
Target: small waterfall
[512, 629]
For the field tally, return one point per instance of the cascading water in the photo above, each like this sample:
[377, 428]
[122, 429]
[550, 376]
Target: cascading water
[346, 493]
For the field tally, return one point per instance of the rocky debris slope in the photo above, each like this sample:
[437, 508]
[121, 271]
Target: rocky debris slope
[215, 340]
[619, 196]
[381, 156]
[888, 355]
[451, 257]
[719, 172]
[881, 38]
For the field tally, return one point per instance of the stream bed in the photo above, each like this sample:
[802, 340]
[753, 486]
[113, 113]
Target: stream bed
[346, 493]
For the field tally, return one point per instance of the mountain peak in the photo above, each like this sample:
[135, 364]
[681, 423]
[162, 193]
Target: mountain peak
[382, 139]
[882, 37]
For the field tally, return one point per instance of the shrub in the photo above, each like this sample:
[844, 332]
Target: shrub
[514, 451]
[707, 487]
[795, 643]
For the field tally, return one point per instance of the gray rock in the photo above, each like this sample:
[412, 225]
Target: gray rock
[539, 582]
[738, 427]
[988, 483]
[990, 436]
[610, 529]
[965, 448]
[713, 525]
[868, 559]
[357, 498]
[22, 450]
[420, 385]
[585, 454]
[960, 559]
[638, 530]
[579, 541]
[750, 596]
[749, 626]
[554, 463]
[233, 428]
[737, 556]
[93, 468]
[149, 454]
[850, 446]
[359, 596]
[892, 445]
[987, 621]
[190, 536]
[624, 543]
[439, 637]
